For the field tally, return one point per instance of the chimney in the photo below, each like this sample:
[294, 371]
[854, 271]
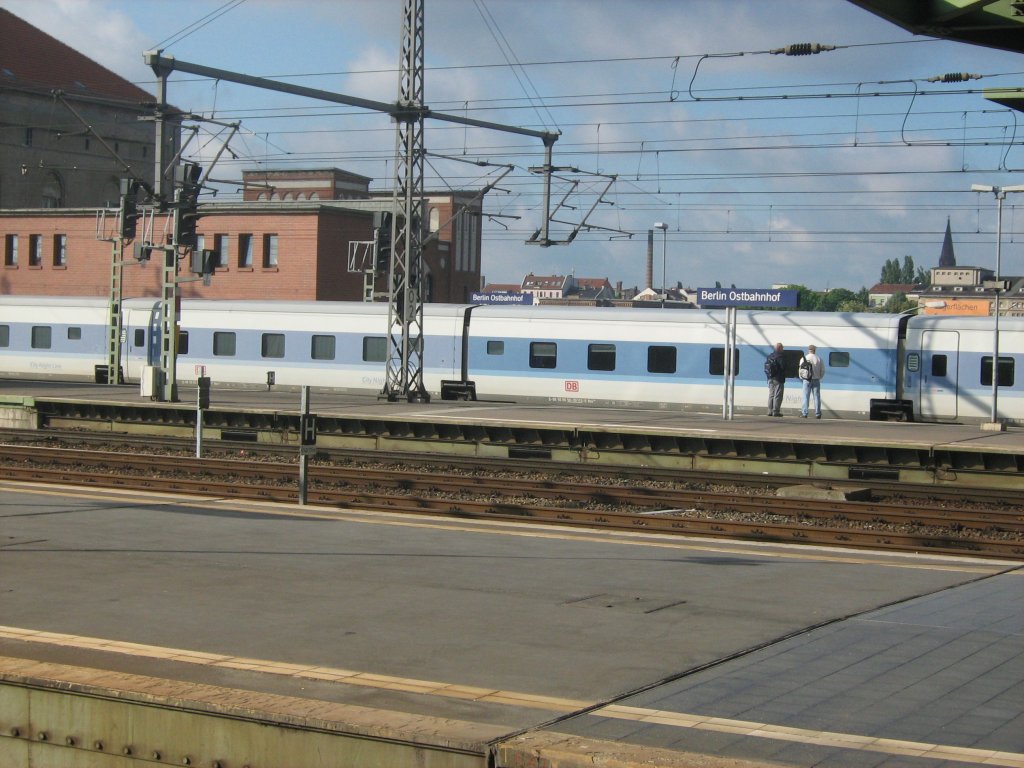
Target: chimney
[650, 259]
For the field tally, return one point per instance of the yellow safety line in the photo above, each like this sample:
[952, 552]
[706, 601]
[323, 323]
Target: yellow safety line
[532, 701]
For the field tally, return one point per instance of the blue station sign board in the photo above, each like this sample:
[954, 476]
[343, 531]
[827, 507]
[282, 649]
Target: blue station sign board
[782, 298]
[497, 297]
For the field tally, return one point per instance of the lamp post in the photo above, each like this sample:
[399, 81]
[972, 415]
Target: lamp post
[664, 254]
[1000, 195]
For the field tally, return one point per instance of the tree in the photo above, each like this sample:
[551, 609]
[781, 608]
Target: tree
[897, 303]
[835, 299]
[895, 273]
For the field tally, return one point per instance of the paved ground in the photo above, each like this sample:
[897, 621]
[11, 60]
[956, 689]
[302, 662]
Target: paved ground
[517, 628]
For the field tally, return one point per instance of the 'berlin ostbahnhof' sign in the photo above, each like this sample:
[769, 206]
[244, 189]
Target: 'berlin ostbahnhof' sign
[783, 298]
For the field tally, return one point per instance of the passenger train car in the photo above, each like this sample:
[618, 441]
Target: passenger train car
[877, 366]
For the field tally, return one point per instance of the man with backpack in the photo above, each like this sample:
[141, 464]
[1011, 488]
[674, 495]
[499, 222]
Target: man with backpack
[812, 370]
[775, 370]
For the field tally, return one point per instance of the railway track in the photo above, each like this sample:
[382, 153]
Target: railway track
[995, 531]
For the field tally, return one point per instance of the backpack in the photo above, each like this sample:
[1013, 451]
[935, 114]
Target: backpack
[805, 369]
[771, 366]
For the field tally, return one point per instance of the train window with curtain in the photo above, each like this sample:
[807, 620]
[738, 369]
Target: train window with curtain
[322, 348]
[601, 357]
[838, 359]
[1006, 371]
[495, 347]
[375, 349]
[41, 336]
[182, 342]
[272, 345]
[140, 338]
[661, 359]
[74, 333]
[543, 354]
[5, 335]
[940, 363]
[716, 361]
[224, 343]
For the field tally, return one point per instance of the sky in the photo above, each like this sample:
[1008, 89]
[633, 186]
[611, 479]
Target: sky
[763, 168]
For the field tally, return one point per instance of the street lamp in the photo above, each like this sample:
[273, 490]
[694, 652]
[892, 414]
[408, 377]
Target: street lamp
[1000, 194]
[664, 252]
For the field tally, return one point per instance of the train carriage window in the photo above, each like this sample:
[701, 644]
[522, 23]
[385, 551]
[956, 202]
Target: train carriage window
[182, 342]
[1006, 371]
[322, 348]
[375, 349]
[716, 361]
[791, 360]
[140, 338]
[5, 335]
[41, 336]
[495, 347]
[939, 366]
[224, 343]
[661, 359]
[838, 359]
[543, 354]
[74, 333]
[272, 345]
[601, 357]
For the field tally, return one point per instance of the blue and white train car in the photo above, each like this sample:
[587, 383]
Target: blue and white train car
[644, 358]
[948, 368]
[340, 345]
[877, 366]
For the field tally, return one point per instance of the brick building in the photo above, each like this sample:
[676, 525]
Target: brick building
[49, 157]
[297, 250]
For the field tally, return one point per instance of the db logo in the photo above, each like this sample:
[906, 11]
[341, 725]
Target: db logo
[572, 386]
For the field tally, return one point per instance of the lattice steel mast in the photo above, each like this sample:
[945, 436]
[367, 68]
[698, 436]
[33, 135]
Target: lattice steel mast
[405, 312]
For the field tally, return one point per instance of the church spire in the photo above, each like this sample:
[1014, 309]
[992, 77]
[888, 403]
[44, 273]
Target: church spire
[946, 258]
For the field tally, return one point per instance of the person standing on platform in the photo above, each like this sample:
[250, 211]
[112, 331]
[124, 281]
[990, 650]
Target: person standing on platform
[812, 371]
[775, 370]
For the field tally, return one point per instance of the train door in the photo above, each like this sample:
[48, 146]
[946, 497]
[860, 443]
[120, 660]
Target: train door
[938, 374]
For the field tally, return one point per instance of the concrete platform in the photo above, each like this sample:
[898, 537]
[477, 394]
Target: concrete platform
[367, 639]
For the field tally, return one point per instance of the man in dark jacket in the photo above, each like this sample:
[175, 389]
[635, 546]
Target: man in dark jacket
[775, 370]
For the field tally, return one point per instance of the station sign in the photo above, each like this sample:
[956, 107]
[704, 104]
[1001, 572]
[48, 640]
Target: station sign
[498, 297]
[782, 298]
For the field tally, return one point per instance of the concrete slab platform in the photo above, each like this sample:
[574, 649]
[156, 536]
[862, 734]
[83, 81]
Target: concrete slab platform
[531, 646]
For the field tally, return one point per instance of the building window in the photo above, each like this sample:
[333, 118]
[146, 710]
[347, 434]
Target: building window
[601, 357]
[28, 137]
[245, 251]
[222, 245]
[35, 250]
[322, 348]
[543, 354]
[41, 336]
[269, 251]
[60, 250]
[272, 345]
[200, 243]
[11, 251]
[224, 343]
[53, 192]
[661, 359]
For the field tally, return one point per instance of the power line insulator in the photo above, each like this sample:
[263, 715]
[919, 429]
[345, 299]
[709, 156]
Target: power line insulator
[804, 49]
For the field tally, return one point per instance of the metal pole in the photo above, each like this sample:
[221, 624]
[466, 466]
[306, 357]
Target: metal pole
[304, 454]
[1000, 194]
